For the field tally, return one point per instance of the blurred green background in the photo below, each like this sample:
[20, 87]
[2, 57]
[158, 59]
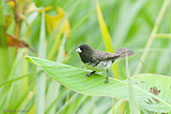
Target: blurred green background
[53, 29]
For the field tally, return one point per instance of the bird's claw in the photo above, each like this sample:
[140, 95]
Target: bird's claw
[88, 75]
[106, 81]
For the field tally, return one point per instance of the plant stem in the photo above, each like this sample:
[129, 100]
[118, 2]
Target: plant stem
[132, 98]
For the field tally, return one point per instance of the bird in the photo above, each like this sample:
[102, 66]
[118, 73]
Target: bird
[96, 60]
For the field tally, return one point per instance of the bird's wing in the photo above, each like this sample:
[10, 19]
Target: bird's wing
[101, 55]
[120, 53]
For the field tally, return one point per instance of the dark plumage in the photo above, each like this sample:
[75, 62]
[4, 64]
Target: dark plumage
[100, 60]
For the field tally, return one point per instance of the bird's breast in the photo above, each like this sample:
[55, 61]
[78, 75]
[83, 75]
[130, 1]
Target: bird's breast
[101, 65]
[104, 64]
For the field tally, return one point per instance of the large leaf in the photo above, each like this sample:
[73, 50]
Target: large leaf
[152, 91]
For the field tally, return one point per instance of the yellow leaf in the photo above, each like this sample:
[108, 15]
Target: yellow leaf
[48, 8]
[104, 30]
[106, 37]
[32, 110]
[11, 3]
[53, 21]
[8, 20]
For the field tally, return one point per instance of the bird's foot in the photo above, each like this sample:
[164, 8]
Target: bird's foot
[107, 80]
[91, 73]
[88, 75]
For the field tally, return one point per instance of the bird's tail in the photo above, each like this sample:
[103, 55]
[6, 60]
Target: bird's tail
[122, 52]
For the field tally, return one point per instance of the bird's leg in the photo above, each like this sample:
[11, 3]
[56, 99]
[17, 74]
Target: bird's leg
[107, 78]
[89, 74]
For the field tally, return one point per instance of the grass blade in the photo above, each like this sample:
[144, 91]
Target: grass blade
[53, 89]
[153, 34]
[13, 80]
[132, 101]
[61, 52]
[127, 14]
[4, 55]
[41, 79]
[106, 37]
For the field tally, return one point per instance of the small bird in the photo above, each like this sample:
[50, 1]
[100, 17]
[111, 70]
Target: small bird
[100, 60]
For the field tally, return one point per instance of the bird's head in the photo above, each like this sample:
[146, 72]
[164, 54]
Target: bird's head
[84, 48]
[85, 52]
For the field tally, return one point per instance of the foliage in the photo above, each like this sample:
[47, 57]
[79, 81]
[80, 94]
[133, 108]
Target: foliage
[53, 29]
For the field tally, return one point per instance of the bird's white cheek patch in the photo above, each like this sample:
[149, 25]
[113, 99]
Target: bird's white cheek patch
[78, 50]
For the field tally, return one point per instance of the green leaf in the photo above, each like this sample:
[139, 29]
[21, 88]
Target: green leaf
[75, 79]
[14, 80]
[4, 53]
[41, 78]
[127, 15]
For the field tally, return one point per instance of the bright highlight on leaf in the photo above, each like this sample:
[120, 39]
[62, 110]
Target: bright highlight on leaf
[75, 79]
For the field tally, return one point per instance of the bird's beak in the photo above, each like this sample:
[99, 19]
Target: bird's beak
[78, 50]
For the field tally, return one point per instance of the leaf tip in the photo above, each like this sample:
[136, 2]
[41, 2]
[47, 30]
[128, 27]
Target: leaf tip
[28, 58]
[25, 55]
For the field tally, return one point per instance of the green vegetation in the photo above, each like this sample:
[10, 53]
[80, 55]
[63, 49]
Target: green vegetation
[40, 71]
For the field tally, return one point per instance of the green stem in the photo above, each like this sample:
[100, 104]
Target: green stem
[132, 98]
[4, 55]
[163, 36]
